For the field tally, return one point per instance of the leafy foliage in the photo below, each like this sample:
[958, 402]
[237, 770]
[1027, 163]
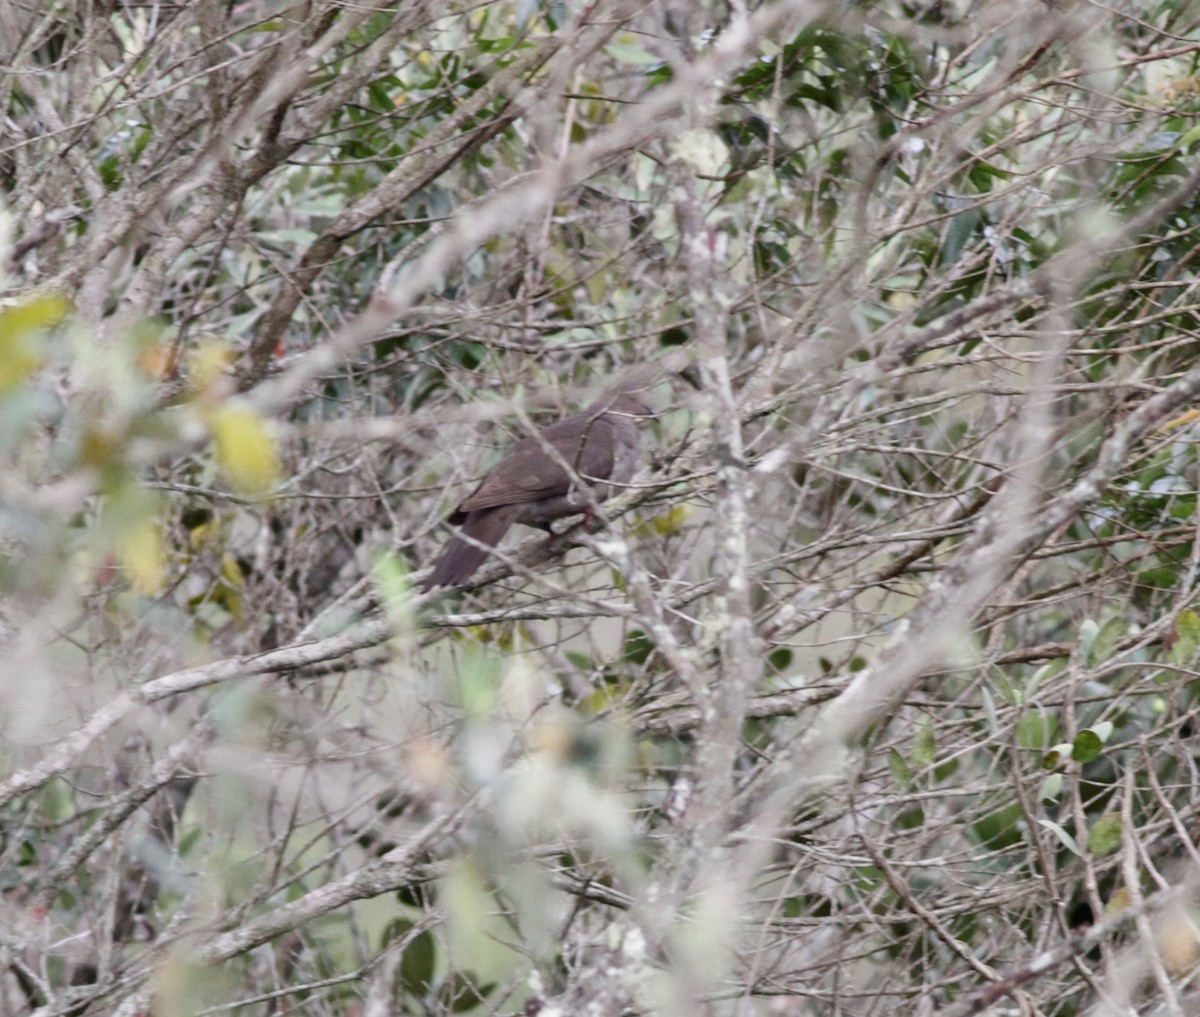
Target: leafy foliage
[878, 690]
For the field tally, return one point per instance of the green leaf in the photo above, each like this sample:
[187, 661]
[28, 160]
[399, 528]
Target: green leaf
[962, 228]
[1187, 631]
[779, 659]
[468, 904]
[1189, 138]
[1039, 678]
[901, 772]
[998, 829]
[1051, 788]
[945, 770]
[1053, 757]
[1088, 631]
[460, 994]
[1036, 731]
[634, 55]
[1105, 835]
[1065, 838]
[924, 744]
[1105, 640]
[1086, 747]
[395, 593]
[417, 964]
[989, 710]
[981, 168]
[637, 647]
[478, 680]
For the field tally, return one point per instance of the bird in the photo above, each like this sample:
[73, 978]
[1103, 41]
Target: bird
[532, 484]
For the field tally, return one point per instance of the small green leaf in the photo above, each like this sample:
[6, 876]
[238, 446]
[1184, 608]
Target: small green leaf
[1053, 757]
[1065, 838]
[1105, 835]
[477, 684]
[998, 829]
[779, 659]
[417, 964]
[189, 840]
[468, 905]
[1106, 640]
[637, 647]
[924, 744]
[462, 994]
[1040, 677]
[1187, 631]
[901, 772]
[1051, 788]
[989, 709]
[962, 228]
[633, 55]
[1088, 631]
[1036, 731]
[945, 770]
[395, 593]
[1086, 747]
[1189, 138]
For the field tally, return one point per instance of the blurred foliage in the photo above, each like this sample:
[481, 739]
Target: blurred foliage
[899, 198]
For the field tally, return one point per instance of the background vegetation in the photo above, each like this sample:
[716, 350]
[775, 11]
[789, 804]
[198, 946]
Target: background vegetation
[878, 692]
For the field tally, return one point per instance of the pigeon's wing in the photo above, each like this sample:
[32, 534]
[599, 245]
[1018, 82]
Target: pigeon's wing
[528, 473]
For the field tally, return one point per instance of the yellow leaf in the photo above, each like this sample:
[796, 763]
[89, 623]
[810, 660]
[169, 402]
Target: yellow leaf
[207, 364]
[157, 361]
[245, 452]
[1118, 902]
[20, 327]
[665, 523]
[603, 698]
[206, 528]
[45, 310]
[1182, 420]
[140, 551]
[231, 571]
[672, 520]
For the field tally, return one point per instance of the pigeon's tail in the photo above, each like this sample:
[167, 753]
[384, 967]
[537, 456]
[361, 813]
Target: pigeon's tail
[481, 531]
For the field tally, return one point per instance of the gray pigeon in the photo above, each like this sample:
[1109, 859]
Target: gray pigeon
[530, 486]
